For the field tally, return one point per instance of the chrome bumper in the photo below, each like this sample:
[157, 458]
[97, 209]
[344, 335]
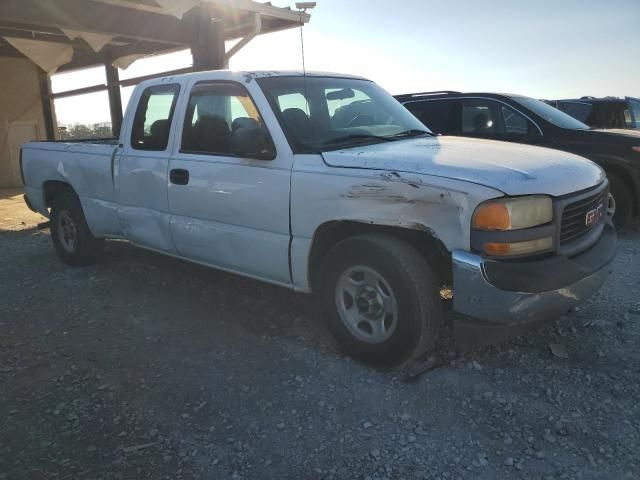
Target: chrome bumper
[474, 294]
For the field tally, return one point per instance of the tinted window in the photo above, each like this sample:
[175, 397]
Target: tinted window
[550, 114]
[579, 111]
[435, 114]
[152, 121]
[492, 118]
[216, 116]
[514, 122]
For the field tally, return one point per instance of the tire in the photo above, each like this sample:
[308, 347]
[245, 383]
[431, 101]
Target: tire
[72, 239]
[380, 299]
[623, 200]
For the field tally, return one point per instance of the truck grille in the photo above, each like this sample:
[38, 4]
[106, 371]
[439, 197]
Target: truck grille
[574, 224]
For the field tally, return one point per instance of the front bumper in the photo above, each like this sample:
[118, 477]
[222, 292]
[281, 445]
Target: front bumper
[508, 293]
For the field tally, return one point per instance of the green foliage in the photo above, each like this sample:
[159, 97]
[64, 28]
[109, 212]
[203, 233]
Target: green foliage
[79, 131]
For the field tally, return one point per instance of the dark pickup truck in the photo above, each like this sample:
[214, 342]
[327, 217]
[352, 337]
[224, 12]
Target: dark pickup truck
[608, 112]
[515, 118]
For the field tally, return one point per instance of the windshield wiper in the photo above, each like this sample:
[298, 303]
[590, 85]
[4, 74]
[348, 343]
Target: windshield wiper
[357, 136]
[413, 133]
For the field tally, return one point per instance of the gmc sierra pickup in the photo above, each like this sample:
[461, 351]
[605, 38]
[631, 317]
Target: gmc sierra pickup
[325, 183]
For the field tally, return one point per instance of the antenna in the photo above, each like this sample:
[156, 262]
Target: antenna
[302, 8]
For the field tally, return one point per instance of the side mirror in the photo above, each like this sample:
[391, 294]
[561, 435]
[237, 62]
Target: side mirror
[252, 142]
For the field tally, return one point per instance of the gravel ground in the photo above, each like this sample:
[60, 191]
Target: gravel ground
[148, 367]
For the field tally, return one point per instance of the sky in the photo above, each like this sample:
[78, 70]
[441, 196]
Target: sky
[542, 48]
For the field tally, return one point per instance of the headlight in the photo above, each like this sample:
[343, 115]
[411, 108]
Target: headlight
[513, 213]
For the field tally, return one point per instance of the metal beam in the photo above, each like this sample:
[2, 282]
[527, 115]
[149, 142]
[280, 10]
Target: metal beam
[79, 91]
[222, 7]
[92, 59]
[94, 17]
[129, 82]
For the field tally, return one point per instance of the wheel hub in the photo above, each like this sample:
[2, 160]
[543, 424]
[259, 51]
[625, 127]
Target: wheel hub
[370, 302]
[67, 232]
[366, 304]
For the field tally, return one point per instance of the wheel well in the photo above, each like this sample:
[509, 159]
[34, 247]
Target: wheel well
[624, 177]
[53, 188]
[429, 246]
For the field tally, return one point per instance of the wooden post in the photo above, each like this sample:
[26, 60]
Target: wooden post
[47, 106]
[207, 44]
[115, 99]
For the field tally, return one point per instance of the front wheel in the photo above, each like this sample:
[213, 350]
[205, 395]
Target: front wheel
[72, 239]
[380, 299]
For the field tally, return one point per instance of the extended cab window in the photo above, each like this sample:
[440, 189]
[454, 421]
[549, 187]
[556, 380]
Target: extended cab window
[218, 115]
[152, 122]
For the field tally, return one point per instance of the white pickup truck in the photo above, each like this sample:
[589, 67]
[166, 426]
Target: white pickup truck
[324, 183]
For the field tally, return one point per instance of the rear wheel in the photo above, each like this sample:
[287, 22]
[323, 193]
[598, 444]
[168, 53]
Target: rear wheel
[380, 299]
[72, 239]
[623, 199]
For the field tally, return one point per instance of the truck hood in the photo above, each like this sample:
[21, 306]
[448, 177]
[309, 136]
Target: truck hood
[511, 168]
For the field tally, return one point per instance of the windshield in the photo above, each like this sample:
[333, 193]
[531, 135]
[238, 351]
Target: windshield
[550, 114]
[320, 113]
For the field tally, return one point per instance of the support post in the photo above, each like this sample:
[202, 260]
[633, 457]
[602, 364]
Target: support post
[47, 104]
[115, 99]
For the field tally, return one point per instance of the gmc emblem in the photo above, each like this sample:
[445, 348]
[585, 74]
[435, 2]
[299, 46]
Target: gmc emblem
[594, 215]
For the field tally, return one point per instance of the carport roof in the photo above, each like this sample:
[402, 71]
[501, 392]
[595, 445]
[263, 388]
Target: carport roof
[133, 27]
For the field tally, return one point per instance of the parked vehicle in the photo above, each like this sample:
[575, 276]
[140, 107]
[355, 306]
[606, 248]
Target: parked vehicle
[325, 183]
[514, 118]
[608, 112]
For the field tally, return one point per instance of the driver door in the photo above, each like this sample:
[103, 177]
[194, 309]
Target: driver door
[229, 211]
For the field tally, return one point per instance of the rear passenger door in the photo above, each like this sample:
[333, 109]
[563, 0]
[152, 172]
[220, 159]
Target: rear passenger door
[229, 211]
[140, 173]
[493, 120]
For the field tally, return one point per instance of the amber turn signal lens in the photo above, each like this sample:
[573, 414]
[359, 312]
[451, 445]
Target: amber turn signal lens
[519, 248]
[492, 216]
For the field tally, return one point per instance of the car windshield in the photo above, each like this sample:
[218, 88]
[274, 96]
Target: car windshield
[323, 113]
[550, 114]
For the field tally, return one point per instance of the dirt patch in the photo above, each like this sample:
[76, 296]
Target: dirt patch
[14, 214]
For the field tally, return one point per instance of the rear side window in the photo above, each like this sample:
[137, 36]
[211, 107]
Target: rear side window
[152, 122]
[480, 117]
[514, 123]
[435, 114]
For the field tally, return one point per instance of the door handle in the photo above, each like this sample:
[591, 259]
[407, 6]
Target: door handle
[179, 177]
